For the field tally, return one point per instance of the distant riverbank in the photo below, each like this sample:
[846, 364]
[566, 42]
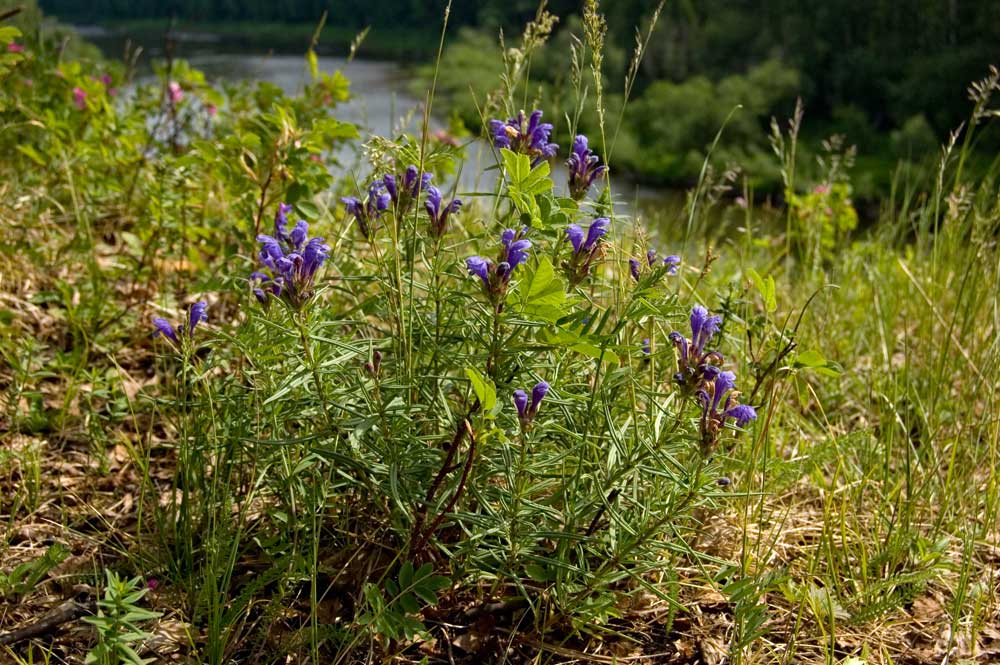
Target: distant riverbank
[397, 44]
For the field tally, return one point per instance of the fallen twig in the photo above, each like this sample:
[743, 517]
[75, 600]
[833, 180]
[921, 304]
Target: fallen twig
[68, 611]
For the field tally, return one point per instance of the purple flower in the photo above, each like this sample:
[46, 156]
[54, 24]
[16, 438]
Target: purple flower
[414, 185]
[521, 403]
[695, 365]
[164, 328]
[404, 189]
[281, 220]
[670, 262]
[439, 215]
[375, 364]
[496, 277]
[715, 412]
[585, 250]
[367, 213]
[583, 168]
[480, 267]
[633, 267]
[646, 348]
[291, 262]
[526, 412]
[197, 313]
[598, 228]
[575, 235]
[517, 252]
[525, 135]
[703, 328]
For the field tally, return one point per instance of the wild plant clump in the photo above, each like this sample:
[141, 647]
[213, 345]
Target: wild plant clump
[336, 407]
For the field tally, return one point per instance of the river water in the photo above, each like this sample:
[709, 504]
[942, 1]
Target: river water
[381, 104]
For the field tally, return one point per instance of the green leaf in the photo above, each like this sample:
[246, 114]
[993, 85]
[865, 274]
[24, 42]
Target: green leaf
[409, 603]
[588, 349]
[31, 154]
[484, 389]
[766, 288]
[544, 287]
[815, 361]
[544, 294]
[307, 209]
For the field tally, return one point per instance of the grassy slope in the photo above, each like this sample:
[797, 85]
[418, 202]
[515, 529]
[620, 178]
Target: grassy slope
[862, 518]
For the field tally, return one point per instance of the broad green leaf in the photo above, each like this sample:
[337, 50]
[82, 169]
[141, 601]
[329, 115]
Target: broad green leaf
[815, 361]
[485, 392]
[766, 288]
[545, 288]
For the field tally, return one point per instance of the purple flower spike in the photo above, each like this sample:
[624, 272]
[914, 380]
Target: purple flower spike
[633, 267]
[598, 228]
[525, 135]
[290, 262]
[480, 267]
[197, 314]
[367, 213]
[164, 328]
[650, 257]
[538, 393]
[521, 402]
[646, 348]
[404, 189]
[575, 235]
[439, 215]
[517, 253]
[583, 168]
[526, 412]
[585, 251]
[672, 262]
[695, 364]
[496, 277]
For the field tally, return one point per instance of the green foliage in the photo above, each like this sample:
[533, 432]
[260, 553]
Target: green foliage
[347, 474]
[392, 614]
[24, 577]
[117, 622]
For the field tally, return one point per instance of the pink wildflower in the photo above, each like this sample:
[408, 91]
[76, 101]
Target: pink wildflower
[80, 98]
[175, 91]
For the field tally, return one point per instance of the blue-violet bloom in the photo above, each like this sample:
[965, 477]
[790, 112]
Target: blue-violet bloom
[197, 313]
[405, 189]
[496, 276]
[291, 265]
[695, 365]
[526, 412]
[715, 412]
[366, 213]
[583, 168]
[525, 135]
[438, 213]
[586, 248]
